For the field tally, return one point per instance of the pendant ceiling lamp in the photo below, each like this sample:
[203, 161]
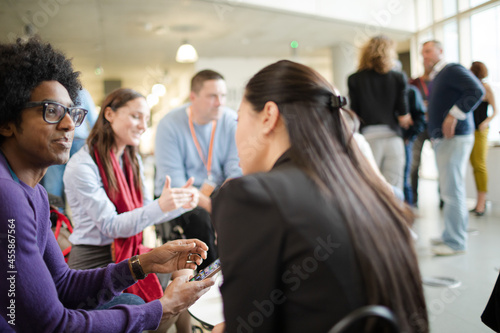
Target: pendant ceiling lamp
[186, 53]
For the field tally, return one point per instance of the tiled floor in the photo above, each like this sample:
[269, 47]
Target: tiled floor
[457, 310]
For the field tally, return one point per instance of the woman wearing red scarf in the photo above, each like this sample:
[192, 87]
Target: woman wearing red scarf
[105, 190]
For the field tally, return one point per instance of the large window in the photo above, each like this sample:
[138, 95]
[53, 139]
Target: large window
[424, 13]
[450, 41]
[444, 9]
[485, 44]
[485, 40]
[474, 3]
[449, 8]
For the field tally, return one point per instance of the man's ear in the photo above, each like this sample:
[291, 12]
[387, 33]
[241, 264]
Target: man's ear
[192, 96]
[7, 130]
[270, 117]
[109, 114]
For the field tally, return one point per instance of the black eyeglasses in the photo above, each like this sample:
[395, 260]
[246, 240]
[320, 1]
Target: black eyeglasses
[54, 112]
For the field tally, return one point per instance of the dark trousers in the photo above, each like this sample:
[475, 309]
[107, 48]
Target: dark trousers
[193, 224]
[407, 188]
[418, 144]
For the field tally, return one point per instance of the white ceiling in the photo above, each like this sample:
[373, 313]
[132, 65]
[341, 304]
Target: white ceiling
[127, 36]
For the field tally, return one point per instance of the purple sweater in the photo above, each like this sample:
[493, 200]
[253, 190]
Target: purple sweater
[38, 291]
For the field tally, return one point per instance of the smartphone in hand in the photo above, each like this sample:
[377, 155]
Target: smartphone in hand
[208, 271]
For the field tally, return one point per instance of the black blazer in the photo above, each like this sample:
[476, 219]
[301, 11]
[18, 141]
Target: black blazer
[286, 255]
[378, 99]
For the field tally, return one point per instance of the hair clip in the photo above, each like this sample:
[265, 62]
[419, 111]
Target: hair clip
[338, 101]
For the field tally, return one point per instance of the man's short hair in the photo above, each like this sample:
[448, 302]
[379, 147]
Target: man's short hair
[437, 44]
[202, 76]
[23, 66]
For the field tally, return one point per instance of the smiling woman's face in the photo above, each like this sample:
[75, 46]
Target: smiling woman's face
[129, 122]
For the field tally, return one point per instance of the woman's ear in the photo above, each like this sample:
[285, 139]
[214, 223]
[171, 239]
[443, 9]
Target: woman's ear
[270, 117]
[109, 114]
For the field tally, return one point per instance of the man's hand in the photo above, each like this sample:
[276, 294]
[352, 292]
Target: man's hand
[173, 198]
[181, 294]
[448, 127]
[173, 256]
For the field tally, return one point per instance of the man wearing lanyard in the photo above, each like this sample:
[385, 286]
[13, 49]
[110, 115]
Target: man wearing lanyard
[197, 140]
[454, 94]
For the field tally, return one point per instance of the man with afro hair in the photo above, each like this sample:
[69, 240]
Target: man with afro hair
[38, 116]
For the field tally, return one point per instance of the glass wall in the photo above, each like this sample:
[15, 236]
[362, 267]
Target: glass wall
[449, 8]
[485, 44]
[450, 41]
[424, 13]
[474, 3]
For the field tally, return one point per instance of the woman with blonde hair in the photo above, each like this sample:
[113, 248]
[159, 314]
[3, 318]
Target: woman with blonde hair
[378, 95]
[480, 150]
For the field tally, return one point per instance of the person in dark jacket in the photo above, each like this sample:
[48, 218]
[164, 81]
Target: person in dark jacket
[379, 96]
[310, 232]
[417, 112]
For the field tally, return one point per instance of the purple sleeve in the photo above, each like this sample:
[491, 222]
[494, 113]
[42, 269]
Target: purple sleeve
[46, 296]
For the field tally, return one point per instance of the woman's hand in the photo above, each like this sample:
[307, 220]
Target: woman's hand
[181, 294]
[173, 256]
[484, 125]
[219, 328]
[173, 198]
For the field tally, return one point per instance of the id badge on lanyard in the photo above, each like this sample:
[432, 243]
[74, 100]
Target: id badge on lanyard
[208, 186]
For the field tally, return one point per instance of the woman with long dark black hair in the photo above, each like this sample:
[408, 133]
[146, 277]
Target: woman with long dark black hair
[311, 232]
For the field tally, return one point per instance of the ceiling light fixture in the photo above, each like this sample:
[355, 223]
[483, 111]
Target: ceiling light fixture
[152, 100]
[186, 53]
[159, 90]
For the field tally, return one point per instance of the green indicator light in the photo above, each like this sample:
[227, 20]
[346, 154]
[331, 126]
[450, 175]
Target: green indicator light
[294, 44]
